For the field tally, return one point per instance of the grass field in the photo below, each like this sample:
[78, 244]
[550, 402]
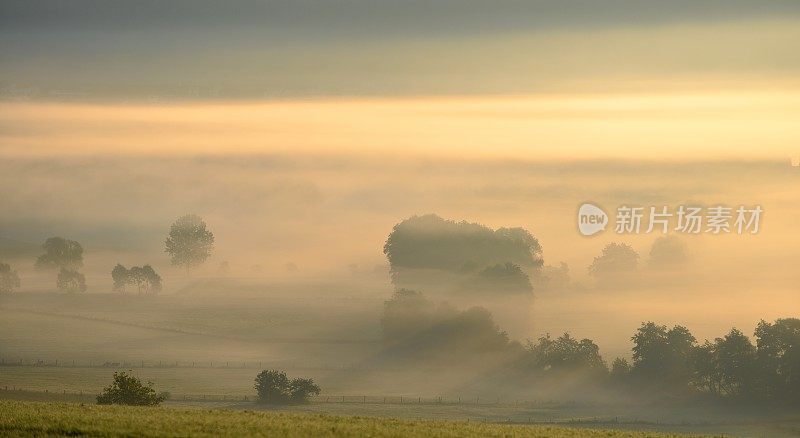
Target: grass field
[61, 419]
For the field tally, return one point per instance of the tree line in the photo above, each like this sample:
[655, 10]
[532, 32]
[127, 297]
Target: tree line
[664, 361]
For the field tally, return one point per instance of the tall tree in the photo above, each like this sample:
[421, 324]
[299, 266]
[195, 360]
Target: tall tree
[189, 243]
[9, 279]
[663, 357]
[736, 363]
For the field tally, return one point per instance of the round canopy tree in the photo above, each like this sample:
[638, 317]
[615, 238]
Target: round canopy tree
[60, 253]
[189, 243]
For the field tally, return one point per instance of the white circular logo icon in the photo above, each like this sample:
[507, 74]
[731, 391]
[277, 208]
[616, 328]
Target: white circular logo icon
[591, 219]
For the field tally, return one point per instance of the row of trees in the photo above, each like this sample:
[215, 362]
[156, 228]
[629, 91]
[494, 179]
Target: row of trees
[189, 244]
[272, 386]
[670, 361]
[664, 361]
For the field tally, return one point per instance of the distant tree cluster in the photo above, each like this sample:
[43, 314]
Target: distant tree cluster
[665, 361]
[671, 360]
[274, 387]
[189, 244]
[618, 264]
[566, 354]
[494, 258]
[430, 242]
[416, 328]
[145, 279]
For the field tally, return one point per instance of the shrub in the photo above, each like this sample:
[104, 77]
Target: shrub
[129, 390]
[274, 387]
[300, 389]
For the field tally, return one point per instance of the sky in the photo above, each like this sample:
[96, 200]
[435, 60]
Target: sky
[510, 79]
[166, 50]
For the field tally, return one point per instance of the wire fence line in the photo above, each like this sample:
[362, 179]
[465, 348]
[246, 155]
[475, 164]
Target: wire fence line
[73, 395]
[216, 364]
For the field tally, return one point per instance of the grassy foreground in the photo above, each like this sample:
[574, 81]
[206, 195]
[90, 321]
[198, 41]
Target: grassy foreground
[58, 419]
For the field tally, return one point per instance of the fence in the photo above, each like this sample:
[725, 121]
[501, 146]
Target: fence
[130, 364]
[14, 392]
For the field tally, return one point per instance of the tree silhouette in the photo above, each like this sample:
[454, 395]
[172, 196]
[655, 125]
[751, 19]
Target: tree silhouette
[145, 278]
[121, 277]
[189, 243]
[67, 256]
[430, 242]
[662, 357]
[566, 353]
[60, 253]
[736, 361]
[274, 387]
[668, 252]
[71, 281]
[9, 279]
[616, 258]
[779, 358]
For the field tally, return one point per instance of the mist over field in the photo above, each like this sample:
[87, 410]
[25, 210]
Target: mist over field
[329, 217]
